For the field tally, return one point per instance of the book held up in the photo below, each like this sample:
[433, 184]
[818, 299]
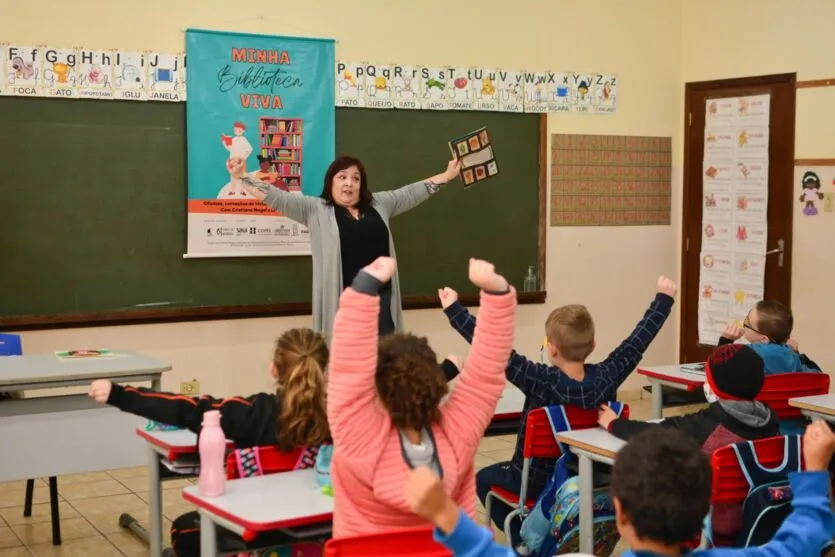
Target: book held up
[475, 151]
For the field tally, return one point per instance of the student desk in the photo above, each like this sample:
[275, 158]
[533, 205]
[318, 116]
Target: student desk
[163, 446]
[819, 406]
[68, 434]
[676, 376]
[590, 445]
[261, 504]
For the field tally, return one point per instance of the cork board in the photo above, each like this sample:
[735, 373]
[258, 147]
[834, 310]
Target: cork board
[610, 180]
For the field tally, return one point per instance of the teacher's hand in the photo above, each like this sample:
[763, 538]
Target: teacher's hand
[381, 269]
[453, 167]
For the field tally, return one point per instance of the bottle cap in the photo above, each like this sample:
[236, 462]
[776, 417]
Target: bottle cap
[211, 418]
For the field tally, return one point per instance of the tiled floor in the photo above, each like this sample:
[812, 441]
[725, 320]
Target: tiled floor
[91, 504]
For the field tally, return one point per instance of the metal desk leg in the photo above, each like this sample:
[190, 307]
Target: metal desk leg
[156, 384]
[586, 502]
[154, 504]
[208, 536]
[657, 401]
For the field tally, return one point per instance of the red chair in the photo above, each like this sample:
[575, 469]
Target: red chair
[779, 388]
[729, 487]
[409, 543]
[539, 443]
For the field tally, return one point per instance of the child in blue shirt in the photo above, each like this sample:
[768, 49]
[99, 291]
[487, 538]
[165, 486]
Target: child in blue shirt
[661, 490]
[768, 328]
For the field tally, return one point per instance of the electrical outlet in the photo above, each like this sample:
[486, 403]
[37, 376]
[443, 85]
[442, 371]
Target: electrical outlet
[828, 202]
[190, 388]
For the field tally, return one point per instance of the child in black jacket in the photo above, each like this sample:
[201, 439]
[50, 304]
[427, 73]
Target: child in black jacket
[293, 417]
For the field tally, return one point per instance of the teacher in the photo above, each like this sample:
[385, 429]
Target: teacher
[349, 229]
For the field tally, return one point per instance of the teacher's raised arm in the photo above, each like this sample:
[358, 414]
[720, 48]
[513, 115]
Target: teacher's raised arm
[349, 229]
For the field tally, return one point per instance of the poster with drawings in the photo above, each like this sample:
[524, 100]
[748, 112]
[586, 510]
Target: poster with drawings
[405, 87]
[378, 86]
[606, 93]
[582, 91]
[130, 76]
[735, 211]
[536, 92]
[350, 82]
[484, 89]
[459, 89]
[95, 73]
[22, 71]
[511, 91]
[59, 74]
[164, 76]
[432, 86]
[559, 92]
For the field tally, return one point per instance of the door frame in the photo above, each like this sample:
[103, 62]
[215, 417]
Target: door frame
[688, 193]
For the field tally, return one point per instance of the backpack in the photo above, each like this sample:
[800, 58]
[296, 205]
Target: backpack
[552, 526]
[769, 498]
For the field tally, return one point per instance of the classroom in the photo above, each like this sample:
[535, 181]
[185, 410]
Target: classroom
[655, 47]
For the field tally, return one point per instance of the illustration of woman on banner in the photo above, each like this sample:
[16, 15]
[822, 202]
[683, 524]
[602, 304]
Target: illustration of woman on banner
[349, 228]
[239, 148]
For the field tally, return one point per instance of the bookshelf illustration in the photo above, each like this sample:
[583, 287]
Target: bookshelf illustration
[281, 141]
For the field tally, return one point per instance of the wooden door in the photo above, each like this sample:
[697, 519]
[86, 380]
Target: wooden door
[781, 194]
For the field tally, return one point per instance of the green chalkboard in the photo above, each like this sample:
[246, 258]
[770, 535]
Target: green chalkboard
[92, 205]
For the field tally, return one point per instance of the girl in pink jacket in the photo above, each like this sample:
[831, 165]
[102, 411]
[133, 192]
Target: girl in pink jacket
[385, 403]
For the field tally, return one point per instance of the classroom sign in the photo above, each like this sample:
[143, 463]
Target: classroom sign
[268, 101]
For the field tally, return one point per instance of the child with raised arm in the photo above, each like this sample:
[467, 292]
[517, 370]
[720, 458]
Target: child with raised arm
[567, 380]
[384, 403]
[661, 490]
[768, 328]
[291, 418]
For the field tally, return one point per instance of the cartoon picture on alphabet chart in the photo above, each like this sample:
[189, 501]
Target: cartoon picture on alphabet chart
[606, 93]
[511, 91]
[377, 86]
[459, 89]
[350, 84]
[59, 72]
[582, 91]
[95, 74]
[433, 83]
[129, 76]
[485, 94]
[405, 87]
[23, 68]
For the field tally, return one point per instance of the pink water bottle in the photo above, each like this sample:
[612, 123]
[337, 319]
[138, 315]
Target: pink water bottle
[212, 446]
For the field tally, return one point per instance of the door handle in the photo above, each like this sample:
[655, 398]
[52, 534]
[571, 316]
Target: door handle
[779, 250]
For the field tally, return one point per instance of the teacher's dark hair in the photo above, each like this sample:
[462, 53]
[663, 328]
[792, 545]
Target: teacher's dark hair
[337, 166]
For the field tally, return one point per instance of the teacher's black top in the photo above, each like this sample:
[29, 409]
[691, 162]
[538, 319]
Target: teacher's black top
[361, 241]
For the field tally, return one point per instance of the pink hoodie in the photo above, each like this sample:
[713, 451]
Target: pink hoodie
[368, 469]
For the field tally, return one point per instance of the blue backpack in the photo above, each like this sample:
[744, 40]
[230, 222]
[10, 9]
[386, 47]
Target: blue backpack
[769, 498]
[552, 526]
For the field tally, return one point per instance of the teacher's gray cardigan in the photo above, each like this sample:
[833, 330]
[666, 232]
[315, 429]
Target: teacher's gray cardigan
[320, 220]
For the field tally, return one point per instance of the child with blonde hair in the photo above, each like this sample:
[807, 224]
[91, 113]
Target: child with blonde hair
[293, 417]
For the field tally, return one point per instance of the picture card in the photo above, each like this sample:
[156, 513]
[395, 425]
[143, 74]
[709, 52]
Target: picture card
[475, 151]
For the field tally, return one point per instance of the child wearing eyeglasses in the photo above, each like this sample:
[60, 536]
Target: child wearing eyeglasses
[768, 329]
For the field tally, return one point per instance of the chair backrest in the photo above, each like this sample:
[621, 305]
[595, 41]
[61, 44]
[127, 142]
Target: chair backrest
[10, 345]
[539, 437]
[729, 485]
[272, 461]
[416, 542]
[779, 388]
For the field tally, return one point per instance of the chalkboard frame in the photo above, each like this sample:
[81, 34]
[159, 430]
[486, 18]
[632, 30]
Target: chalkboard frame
[174, 315]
